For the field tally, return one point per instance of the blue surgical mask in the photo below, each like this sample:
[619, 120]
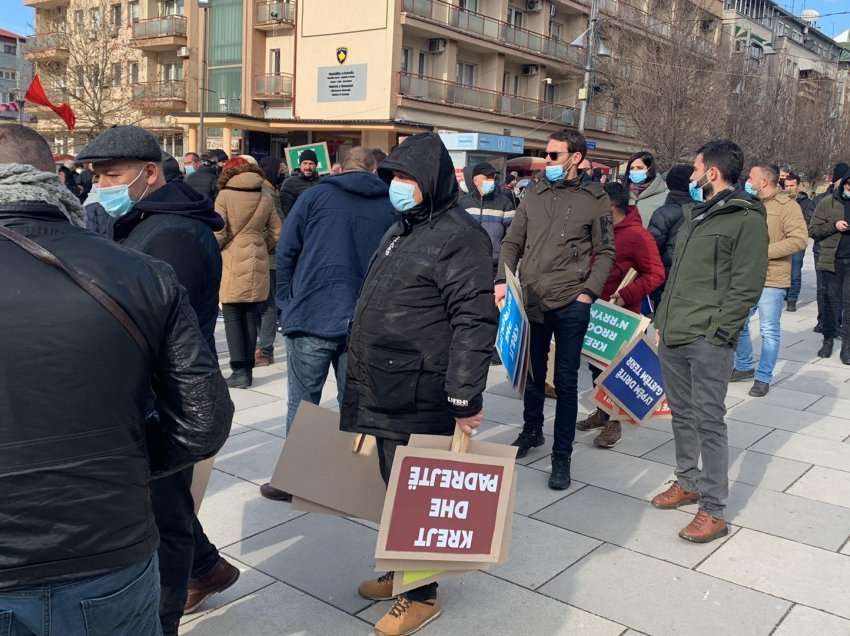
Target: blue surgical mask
[696, 191]
[751, 189]
[401, 196]
[846, 195]
[116, 200]
[637, 176]
[190, 170]
[487, 187]
[554, 173]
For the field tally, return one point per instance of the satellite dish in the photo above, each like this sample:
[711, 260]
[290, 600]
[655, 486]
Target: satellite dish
[810, 17]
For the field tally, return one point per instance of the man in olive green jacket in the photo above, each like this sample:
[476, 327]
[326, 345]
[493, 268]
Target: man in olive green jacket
[831, 227]
[717, 276]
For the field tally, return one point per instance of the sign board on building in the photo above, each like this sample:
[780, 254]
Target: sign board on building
[634, 381]
[611, 328]
[342, 83]
[484, 142]
[591, 145]
[321, 149]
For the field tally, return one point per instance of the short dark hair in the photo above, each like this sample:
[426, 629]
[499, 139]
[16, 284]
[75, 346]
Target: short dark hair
[194, 155]
[648, 159]
[21, 144]
[770, 172]
[792, 176]
[724, 155]
[574, 139]
[379, 155]
[618, 194]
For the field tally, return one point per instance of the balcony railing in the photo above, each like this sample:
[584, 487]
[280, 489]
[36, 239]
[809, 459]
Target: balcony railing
[46, 42]
[169, 25]
[162, 91]
[492, 29]
[274, 85]
[275, 11]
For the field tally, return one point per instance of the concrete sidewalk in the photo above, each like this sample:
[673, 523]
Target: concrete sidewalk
[596, 560]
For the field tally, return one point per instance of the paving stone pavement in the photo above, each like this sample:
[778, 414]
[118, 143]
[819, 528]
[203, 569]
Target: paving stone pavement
[593, 560]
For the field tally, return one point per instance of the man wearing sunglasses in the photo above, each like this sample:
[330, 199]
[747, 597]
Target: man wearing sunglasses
[562, 241]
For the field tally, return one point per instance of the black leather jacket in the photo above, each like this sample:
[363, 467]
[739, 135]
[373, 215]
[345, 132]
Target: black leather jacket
[77, 445]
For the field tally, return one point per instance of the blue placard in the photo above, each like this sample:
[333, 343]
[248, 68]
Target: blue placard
[509, 337]
[635, 381]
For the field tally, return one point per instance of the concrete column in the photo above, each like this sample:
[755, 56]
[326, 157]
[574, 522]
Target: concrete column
[227, 139]
[192, 139]
[491, 72]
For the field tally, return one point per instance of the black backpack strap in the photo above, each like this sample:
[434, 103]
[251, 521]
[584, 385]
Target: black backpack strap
[105, 300]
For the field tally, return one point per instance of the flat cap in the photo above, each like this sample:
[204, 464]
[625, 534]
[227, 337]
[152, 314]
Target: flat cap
[121, 142]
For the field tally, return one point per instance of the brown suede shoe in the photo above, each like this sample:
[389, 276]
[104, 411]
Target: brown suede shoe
[550, 392]
[380, 589]
[406, 617]
[262, 360]
[610, 435]
[222, 576]
[674, 497]
[704, 528]
[275, 494]
[597, 419]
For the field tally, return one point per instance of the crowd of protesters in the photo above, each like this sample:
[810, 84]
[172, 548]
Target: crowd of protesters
[388, 271]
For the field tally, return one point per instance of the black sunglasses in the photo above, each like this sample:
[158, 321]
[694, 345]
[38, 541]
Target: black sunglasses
[553, 155]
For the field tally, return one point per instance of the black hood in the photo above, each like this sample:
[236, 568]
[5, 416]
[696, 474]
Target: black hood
[177, 198]
[425, 158]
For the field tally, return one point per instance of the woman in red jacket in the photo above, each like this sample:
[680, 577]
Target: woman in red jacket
[636, 249]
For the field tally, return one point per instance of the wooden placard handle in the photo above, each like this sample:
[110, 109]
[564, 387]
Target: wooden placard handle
[460, 440]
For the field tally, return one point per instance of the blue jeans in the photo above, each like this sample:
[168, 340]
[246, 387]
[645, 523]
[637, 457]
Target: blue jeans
[122, 603]
[308, 360]
[770, 311]
[796, 276]
[568, 324]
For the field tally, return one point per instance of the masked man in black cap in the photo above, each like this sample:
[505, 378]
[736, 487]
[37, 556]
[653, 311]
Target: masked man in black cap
[172, 222]
[305, 178]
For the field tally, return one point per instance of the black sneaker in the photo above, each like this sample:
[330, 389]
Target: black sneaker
[560, 477]
[791, 306]
[239, 379]
[742, 376]
[528, 440]
[759, 389]
[826, 349]
[818, 328]
[845, 351]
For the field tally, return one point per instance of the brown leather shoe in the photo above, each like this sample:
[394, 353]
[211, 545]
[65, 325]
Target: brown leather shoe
[610, 435]
[674, 497]
[380, 589]
[550, 392]
[275, 494]
[262, 360]
[406, 617]
[704, 528]
[222, 576]
[597, 419]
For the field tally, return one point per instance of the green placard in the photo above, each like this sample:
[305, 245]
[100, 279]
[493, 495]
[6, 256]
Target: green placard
[321, 150]
[611, 328]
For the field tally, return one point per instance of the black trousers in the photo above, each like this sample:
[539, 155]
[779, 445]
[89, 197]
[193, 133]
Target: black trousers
[386, 454]
[184, 550]
[241, 321]
[837, 294]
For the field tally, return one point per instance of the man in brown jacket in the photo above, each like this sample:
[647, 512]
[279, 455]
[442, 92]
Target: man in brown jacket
[788, 234]
[563, 240]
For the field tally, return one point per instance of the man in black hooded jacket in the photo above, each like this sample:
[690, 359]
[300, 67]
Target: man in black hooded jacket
[422, 334]
[171, 222]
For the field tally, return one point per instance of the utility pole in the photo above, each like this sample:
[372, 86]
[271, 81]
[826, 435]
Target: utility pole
[202, 133]
[584, 94]
[19, 69]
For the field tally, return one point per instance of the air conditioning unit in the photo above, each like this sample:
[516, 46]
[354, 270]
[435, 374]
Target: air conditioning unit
[183, 52]
[436, 45]
[530, 70]
[534, 5]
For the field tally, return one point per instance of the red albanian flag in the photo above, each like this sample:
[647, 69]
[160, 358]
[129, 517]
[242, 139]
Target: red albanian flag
[36, 95]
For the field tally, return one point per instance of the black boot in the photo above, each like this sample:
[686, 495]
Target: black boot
[845, 350]
[560, 477]
[791, 305]
[528, 439]
[826, 350]
[240, 378]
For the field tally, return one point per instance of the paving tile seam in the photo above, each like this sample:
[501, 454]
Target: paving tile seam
[190, 618]
[570, 494]
[254, 428]
[844, 545]
[782, 619]
[259, 532]
[791, 485]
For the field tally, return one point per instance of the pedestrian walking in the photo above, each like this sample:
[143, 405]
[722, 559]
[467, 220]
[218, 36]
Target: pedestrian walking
[635, 250]
[562, 273]
[840, 171]
[422, 335]
[203, 179]
[305, 178]
[717, 276]
[169, 221]
[787, 235]
[807, 205]
[488, 205]
[666, 221]
[831, 228]
[119, 390]
[647, 188]
[250, 233]
[323, 255]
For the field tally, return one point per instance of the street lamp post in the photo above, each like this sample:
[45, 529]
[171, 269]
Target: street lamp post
[584, 96]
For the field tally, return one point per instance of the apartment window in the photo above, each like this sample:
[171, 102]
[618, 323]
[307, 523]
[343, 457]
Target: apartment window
[115, 15]
[10, 48]
[550, 92]
[468, 5]
[172, 71]
[516, 17]
[79, 76]
[172, 7]
[274, 61]
[422, 61]
[79, 19]
[133, 11]
[96, 18]
[406, 60]
[465, 74]
[134, 72]
[116, 73]
[555, 30]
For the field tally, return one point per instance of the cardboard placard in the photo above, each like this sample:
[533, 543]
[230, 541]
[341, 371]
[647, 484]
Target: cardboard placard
[610, 331]
[601, 399]
[201, 474]
[634, 381]
[512, 339]
[323, 166]
[321, 465]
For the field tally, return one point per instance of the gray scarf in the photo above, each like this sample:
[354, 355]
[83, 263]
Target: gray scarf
[20, 182]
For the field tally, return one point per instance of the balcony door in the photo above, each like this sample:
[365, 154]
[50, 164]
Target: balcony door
[274, 62]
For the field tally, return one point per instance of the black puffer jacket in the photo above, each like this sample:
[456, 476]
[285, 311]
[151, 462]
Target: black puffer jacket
[425, 323]
[665, 223]
[292, 189]
[204, 181]
[76, 452]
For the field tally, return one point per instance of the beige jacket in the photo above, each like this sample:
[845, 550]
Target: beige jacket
[788, 234]
[251, 230]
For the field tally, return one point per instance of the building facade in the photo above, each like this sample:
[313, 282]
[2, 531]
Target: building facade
[15, 70]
